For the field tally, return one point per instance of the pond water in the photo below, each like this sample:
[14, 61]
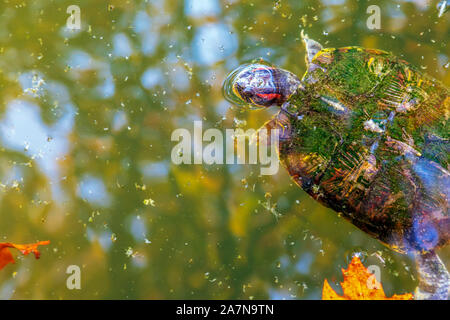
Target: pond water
[86, 119]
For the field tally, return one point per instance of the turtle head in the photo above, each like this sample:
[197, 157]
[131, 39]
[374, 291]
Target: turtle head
[260, 85]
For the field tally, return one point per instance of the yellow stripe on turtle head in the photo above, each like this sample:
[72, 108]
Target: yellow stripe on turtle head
[376, 51]
[236, 93]
[324, 56]
[409, 74]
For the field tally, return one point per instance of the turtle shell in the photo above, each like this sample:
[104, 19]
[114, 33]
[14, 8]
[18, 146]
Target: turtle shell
[367, 135]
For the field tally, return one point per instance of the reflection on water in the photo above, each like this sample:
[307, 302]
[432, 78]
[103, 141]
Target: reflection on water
[22, 129]
[86, 119]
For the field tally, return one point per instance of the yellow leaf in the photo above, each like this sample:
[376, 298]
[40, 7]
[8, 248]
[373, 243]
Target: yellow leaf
[359, 284]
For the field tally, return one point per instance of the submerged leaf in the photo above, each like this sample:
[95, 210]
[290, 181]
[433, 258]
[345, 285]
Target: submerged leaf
[359, 284]
[6, 256]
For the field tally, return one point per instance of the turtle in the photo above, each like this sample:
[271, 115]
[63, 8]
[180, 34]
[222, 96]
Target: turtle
[366, 134]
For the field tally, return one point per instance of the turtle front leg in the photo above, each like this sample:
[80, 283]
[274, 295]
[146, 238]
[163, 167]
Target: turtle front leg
[434, 279]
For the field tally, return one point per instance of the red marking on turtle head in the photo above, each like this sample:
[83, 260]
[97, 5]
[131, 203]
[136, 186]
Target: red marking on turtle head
[269, 96]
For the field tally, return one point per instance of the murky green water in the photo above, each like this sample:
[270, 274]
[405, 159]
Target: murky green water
[86, 119]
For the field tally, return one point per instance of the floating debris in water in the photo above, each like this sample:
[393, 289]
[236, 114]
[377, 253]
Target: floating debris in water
[36, 86]
[272, 208]
[239, 123]
[442, 7]
[149, 201]
[362, 255]
[129, 252]
[139, 187]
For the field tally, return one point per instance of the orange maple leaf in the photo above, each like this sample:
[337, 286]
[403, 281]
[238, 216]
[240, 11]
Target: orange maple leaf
[6, 256]
[359, 284]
